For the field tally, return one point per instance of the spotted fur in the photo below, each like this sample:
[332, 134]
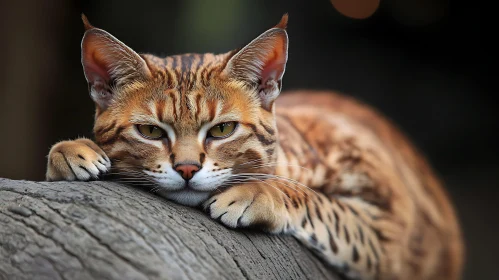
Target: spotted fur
[317, 165]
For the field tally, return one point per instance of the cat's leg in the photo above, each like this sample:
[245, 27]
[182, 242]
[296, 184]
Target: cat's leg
[337, 231]
[76, 160]
[333, 229]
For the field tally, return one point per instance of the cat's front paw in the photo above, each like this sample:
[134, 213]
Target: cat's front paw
[249, 206]
[77, 160]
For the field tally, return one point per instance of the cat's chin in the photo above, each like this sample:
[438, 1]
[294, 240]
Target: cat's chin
[186, 197]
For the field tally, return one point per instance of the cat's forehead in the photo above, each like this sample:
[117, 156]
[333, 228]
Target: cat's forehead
[187, 74]
[188, 93]
[187, 63]
[188, 108]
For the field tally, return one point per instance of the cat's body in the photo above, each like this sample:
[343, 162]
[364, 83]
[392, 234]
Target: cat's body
[381, 188]
[320, 166]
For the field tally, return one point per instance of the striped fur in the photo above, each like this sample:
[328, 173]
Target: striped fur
[319, 166]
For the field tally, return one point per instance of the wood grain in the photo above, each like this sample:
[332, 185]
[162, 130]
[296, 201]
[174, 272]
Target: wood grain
[104, 230]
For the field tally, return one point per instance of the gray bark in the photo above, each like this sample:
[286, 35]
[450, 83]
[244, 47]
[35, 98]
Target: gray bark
[104, 230]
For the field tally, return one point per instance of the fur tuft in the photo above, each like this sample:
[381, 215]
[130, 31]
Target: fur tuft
[283, 24]
[86, 23]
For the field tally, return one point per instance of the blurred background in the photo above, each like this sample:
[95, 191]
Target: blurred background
[423, 63]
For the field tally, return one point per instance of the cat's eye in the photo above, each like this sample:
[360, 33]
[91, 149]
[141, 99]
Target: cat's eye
[222, 130]
[150, 131]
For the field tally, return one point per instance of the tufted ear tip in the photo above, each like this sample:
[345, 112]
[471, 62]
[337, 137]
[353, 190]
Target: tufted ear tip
[283, 24]
[86, 23]
[262, 62]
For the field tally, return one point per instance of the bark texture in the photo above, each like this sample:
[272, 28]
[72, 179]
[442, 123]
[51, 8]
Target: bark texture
[104, 230]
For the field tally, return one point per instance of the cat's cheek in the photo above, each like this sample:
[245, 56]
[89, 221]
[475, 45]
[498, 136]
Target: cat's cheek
[167, 181]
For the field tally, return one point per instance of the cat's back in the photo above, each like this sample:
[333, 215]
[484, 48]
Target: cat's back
[360, 118]
[372, 131]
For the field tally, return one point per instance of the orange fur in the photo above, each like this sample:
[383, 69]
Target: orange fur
[320, 166]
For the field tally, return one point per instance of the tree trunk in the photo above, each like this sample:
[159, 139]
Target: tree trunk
[104, 230]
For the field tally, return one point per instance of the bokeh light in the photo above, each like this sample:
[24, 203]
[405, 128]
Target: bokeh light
[357, 9]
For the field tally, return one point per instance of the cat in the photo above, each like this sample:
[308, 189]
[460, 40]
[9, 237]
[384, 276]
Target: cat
[209, 131]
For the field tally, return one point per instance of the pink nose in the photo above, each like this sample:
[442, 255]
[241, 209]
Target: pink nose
[186, 170]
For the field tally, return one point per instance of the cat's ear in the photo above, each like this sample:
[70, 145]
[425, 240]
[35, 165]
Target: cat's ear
[261, 63]
[108, 64]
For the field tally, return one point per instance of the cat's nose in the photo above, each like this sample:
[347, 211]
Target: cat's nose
[186, 170]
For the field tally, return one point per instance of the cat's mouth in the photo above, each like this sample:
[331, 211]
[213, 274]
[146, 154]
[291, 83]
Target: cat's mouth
[190, 193]
[199, 185]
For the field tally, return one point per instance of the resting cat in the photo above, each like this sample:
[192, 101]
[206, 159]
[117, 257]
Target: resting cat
[208, 130]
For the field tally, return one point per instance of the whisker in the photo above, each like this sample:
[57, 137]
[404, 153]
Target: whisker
[251, 161]
[267, 176]
[278, 164]
[257, 179]
[288, 184]
[273, 187]
[132, 175]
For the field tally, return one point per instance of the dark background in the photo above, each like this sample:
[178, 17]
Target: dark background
[424, 63]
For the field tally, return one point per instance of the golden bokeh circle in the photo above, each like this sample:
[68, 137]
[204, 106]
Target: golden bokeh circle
[357, 9]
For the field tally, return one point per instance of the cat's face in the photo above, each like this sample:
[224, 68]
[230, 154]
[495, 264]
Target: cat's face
[188, 124]
[220, 130]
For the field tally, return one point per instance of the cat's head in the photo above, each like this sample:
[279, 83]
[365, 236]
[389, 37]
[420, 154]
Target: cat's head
[186, 124]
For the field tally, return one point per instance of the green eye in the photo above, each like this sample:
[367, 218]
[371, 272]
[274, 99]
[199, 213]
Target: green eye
[222, 130]
[150, 131]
